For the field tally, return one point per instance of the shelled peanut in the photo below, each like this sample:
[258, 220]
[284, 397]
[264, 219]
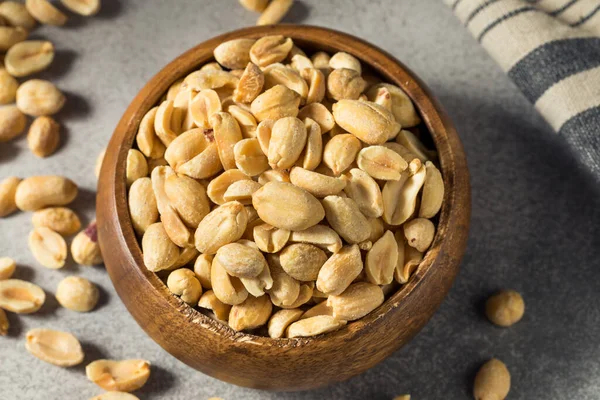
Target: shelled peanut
[277, 189]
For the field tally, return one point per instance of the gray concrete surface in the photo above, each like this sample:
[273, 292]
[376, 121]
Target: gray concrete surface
[534, 227]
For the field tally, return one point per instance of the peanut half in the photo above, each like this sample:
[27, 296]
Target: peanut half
[54, 347]
[7, 267]
[125, 376]
[48, 247]
[21, 297]
[8, 190]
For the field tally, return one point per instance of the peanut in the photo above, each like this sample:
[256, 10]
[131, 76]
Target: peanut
[77, 294]
[54, 347]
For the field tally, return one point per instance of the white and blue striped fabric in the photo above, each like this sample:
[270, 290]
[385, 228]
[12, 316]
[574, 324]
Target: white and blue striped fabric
[551, 50]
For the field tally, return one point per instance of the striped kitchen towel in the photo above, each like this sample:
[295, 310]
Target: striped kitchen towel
[551, 50]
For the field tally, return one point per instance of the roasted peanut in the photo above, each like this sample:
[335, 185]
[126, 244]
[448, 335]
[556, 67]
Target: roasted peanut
[227, 289]
[77, 294]
[280, 320]
[7, 267]
[302, 261]
[60, 219]
[355, 302]
[84, 247]
[48, 247]
[286, 206]
[400, 197]
[318, 185]
[381, 260]
[183, 283]
[234, 53]
[345, 83]
[313, 151]
[54, 347]
[12, 123]
[20, 297]
[345, 217]
[275, 103]
[251, 313]
[43, 137]
[314, 326]
[275, 12]
[505, 308]
[340, 270]
[321, 236]
[125, 376]
[37, 97]
[288, 138]
[250, 84]
[241, 261]
[82, 7]
[368, 121]
[401, 105]
[159, 251]
[8, 87]
[223, 225]
[492, 381]
[45, 12]
[433, 192]
[16, 14]
[340, 152]
[28, 57]
[8, 190]
[344, 60]
[270, 49]
[270, 239]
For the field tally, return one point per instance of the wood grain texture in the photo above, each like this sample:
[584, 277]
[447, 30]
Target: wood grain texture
[283, 364]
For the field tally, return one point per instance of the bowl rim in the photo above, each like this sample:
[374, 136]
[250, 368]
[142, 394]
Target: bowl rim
[446, 140]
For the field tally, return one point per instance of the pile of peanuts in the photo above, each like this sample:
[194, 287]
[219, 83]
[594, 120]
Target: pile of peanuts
[285, 194]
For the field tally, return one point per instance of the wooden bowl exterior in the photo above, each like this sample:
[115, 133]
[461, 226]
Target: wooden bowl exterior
[283, 364]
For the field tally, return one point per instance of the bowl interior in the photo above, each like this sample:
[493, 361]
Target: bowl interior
[309, 39]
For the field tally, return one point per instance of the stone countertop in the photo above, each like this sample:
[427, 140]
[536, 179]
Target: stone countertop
[535, 217]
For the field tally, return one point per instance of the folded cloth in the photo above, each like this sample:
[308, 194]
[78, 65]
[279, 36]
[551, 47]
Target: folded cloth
[551, 50]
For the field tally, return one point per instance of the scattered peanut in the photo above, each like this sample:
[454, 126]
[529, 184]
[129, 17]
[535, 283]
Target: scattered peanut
[55, 347]
[84, 247]
[16, 14]
[44, 136]
[275, 11]
[77, 294]
[45, 12]
[82, 7]
[48, 247]
[125, 376]
[8, 190]
[37, 97]
[492, 381]
[21, 297]
[505, 308]
[8, 87]
[7, 267]
[28, 57]
[12, 122]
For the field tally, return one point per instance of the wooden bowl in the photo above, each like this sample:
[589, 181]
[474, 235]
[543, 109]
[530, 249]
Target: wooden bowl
[283, 364]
